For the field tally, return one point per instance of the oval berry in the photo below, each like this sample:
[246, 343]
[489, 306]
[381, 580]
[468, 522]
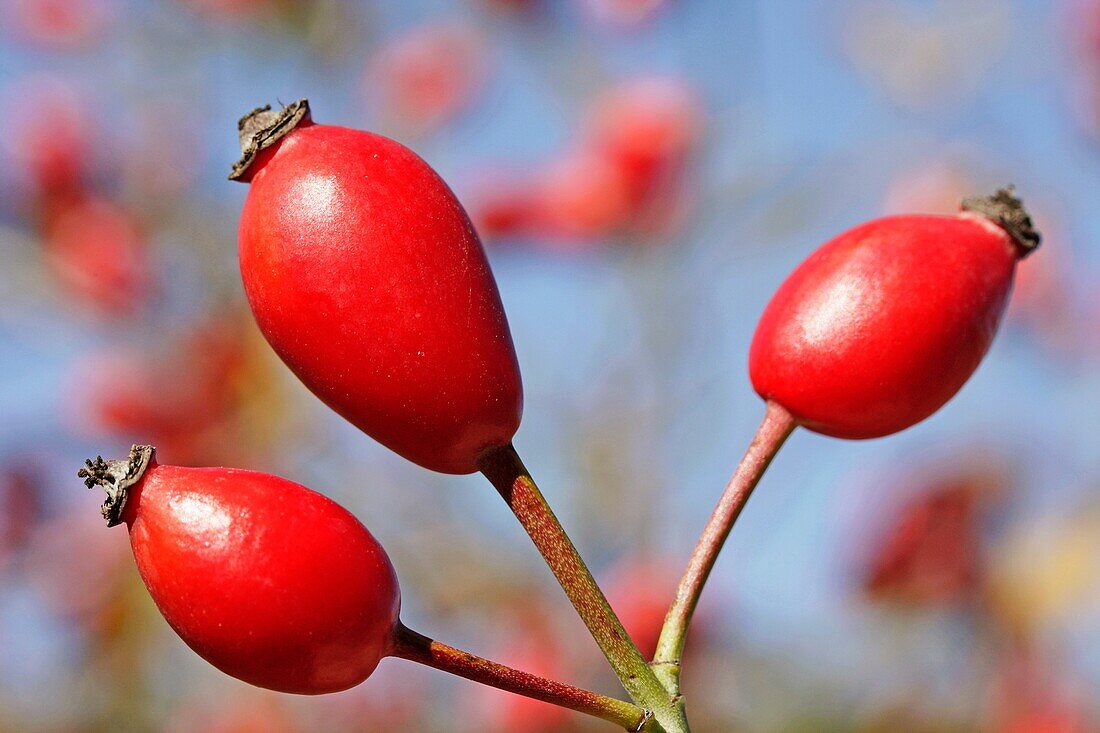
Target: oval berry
[267, 580]
[882, 325]
[367, 278]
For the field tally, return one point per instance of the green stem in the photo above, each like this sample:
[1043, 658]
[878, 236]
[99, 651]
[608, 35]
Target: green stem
[770, 436]
[408, 644]
[505, 470]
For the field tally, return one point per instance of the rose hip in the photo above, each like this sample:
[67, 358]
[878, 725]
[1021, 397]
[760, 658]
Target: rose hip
[61, 24]
[931, 552]
[872, 333]
[367, 278]
[267, 580]
[878, 328]
[427, 76]
[648, 127]
[50, 136]
[98, 254]
[121, 391]
[581, 196]
[624, 175]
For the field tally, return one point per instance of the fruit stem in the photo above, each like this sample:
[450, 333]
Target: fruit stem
[117, 477]
[505, 470]
[1007, 211]
[415, 647]
[776, 426]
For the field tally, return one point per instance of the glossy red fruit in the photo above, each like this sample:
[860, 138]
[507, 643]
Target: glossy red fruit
[267, 580]
[367, 278]
[879, 327]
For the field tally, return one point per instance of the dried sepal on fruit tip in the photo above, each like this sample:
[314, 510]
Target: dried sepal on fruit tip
[116, 477]
[1007, 210]
[263, 127]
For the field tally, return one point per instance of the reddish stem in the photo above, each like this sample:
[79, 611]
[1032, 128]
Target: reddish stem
[505, 470]
[408, 644]
[770, 436]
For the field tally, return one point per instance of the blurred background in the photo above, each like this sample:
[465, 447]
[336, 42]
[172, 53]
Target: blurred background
[644, 173]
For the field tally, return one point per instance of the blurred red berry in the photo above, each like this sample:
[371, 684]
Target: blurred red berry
[181, 397]
[98, 255]
[62, 24]
[1031, 695]
[427, 75]
[1046, 721]
[930, 553]
[49, 136]
[504, 206]
[648, 127]
[581, 196]
[624, 175]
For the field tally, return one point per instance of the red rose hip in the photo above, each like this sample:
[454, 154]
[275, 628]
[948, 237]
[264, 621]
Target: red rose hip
[367, 278]
[267, 580]
[881, 326]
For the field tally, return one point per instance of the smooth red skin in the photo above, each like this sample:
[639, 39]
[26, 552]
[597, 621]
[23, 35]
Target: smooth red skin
[267, 580]
[367, 278]
[882, 325]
